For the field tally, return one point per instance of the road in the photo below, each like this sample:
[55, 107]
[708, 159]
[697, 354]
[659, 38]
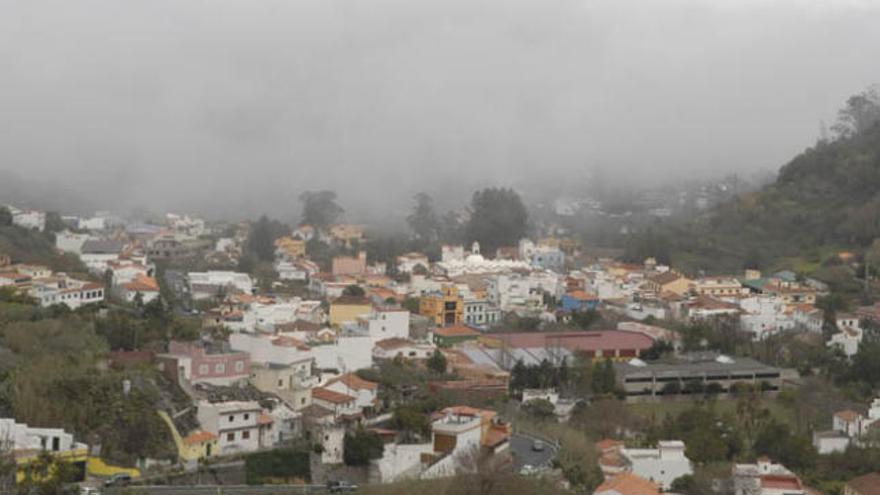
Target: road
[218, 490]
[521, 447]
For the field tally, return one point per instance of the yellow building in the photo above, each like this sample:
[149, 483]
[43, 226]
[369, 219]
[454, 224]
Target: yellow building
[669, 281]
[347, 234]
[443, 308]
[291, 248]
[36, 465]
[348, 308]
[199, 445]
[195, 446]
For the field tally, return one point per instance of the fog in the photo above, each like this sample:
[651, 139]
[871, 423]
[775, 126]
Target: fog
[234, 107]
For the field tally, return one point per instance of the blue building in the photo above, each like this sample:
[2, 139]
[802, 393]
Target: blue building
[577, 301]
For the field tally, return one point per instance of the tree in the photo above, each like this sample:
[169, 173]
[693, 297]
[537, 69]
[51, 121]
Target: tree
[262, 236]
[5, 217]
[54, 223]
[353, 291]
[320, 209]
[437, 362]
[498, 218]
[423, 221]
[861, 112]
[361, 447]
[540, 409]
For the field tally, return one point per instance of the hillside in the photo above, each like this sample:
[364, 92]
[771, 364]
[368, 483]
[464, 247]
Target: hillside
[825, 200]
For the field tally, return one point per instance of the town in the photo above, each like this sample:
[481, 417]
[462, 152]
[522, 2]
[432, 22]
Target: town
[184, 351]
[458, 247]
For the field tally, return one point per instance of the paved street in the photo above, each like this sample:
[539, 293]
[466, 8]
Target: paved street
[221, 490]
[521, 447]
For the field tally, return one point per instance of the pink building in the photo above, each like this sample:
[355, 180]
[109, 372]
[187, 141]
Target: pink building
[201, 362]
[350, 265]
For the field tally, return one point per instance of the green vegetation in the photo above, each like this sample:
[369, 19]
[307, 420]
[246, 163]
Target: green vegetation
[498, 218]
[362, 446]
[277, 466]
[56, 382]
[320, 209]
[825, 200]
[33, 247]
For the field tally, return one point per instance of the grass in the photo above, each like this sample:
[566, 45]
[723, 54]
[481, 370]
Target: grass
[724, 406]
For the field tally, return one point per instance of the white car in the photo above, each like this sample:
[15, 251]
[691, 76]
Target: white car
[528, 470]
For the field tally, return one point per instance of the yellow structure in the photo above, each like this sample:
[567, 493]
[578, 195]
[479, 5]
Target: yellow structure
[348, 308]
[26, 460]
[97, 467]
[444, 308]
[347, 233]
[669, 281]
[195, 446]
[290, 247]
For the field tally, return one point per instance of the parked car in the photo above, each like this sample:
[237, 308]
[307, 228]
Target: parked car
[340, 486]
[527, 470]
[118, 479]
[538, 446]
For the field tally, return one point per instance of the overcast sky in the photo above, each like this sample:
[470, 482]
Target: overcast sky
[190, 104]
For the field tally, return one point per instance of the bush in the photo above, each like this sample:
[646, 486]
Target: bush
[277, 464]
[361, 447]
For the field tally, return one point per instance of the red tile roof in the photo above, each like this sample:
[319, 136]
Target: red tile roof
[354, 382]
[628, 484]
[582, 295]
[331, 396]
[199, 437]
[456, 331]
[781, 482]
[868, 484]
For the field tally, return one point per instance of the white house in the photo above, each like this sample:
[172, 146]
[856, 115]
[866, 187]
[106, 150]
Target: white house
[236, 424]
[350, 352]
[405, 348]
[266, 349]
[343, 406]
[29, 219]
[299, 270]
[661, 465]
[70, 242]
[20, 436]
[765, 478]
[828, 442]
[204, 285]
[385, 323]
[97, 254]
[70, 292]
[365, 392]
[849, 335]
[406, 263]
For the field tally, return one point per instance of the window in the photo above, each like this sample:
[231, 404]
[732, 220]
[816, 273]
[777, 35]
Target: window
[219, 368]
[247, 416]
[280, 383]
[203, 369]
[231, 418]
[302, 401]
[245, 435]
[56, 444]
[239, 366]
[230, 437]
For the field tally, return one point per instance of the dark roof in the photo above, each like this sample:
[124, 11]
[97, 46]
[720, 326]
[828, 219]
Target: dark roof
[101, 246]
[665, 277]
[299, 326]
[352, 300]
